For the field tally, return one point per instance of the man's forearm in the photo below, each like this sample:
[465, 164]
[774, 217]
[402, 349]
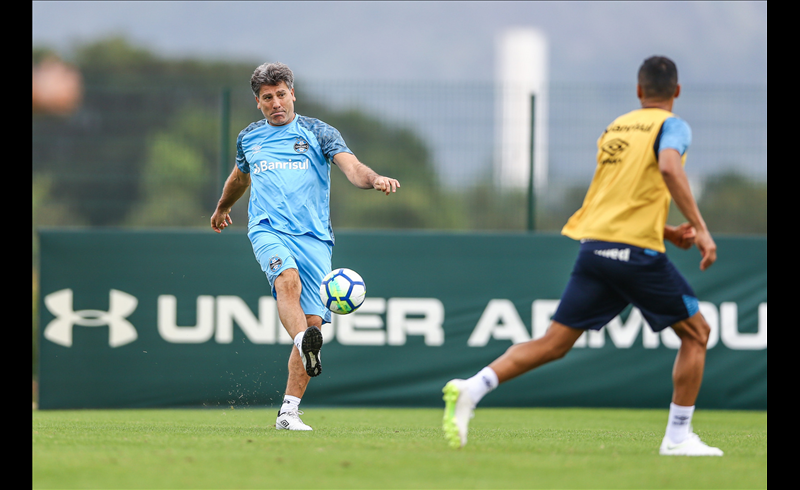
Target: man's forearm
[677, 183]
[233, 190]
[363, 177]
[681, 193]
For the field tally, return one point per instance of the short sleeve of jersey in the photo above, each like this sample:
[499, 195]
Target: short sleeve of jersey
[329, 138]
[241, 160]
[675, 134]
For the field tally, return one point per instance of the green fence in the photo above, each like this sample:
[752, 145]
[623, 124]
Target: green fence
[184, 318]
[153, 153]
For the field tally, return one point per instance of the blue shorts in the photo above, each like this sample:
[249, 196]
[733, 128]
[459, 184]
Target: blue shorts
[277, 251]
[607, 277]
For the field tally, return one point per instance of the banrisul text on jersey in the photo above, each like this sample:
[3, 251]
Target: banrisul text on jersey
[264, 165]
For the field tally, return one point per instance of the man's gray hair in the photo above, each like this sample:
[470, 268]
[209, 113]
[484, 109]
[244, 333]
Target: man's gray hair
[271, 74]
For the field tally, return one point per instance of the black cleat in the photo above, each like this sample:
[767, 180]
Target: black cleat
[312, 343]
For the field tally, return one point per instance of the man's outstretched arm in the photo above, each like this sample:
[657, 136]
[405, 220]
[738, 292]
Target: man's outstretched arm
[362, 176]
[235, 187]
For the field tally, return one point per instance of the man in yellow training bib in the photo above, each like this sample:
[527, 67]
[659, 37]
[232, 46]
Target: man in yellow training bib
[622, 226]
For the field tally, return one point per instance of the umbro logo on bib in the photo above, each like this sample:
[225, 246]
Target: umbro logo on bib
[615, 146]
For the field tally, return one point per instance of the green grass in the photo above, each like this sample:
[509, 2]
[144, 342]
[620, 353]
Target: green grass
[389, 448]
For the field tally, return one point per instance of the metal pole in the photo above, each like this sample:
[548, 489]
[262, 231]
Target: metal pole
[531, 196]
[224, 147]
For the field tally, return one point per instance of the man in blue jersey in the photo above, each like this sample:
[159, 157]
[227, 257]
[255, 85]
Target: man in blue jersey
[286, 159]
[622, 227]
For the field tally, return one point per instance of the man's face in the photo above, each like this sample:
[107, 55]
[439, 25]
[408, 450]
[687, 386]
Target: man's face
[276, 102]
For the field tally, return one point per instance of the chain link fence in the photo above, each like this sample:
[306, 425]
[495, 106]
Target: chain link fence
[155, 157]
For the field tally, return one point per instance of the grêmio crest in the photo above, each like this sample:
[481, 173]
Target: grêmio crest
[300, 145]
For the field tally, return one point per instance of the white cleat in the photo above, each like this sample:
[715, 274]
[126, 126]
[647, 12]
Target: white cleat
[691, 446]
[291, 421]
[458, 410]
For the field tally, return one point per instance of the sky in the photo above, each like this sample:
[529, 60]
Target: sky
[711, 42]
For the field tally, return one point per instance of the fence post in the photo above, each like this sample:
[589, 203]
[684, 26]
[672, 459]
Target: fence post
[224, 146]
[531, 192]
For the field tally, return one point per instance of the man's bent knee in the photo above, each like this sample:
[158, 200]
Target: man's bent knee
[560, 339]
[693, 329]
[288, 282]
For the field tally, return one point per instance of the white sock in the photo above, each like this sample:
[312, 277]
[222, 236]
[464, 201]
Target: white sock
[289, 403]
[482, 383]
[679, 422]
[298, 342]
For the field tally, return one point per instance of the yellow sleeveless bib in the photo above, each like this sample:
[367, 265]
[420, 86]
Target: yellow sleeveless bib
[627, 201]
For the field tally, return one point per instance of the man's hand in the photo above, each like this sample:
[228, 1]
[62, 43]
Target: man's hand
[220, 220]
[671, 168]
[682, 236]
[707, 247]
[686, 235]
[386, 185]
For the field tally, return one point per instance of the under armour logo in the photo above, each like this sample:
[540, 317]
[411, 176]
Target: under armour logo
[120, 306]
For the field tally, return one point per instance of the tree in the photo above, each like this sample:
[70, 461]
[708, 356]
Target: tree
[96, 156]
[732, 203]
[178, 169]
[419, 203]
[144, 148]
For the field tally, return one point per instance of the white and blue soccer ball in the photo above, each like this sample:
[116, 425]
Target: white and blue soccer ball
[342, 291]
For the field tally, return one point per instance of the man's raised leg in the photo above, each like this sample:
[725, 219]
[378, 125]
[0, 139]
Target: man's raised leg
[461, 396]
[305, 333]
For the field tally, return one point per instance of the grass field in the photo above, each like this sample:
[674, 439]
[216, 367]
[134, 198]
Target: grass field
[389, 448]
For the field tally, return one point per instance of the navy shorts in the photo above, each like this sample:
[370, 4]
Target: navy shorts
[607, 277]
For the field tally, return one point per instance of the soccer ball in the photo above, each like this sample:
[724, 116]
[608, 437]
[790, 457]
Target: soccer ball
[342, 291]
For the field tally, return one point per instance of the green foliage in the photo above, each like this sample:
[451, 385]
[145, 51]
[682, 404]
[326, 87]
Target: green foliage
[115, 57]
[47, 209]
[149, 155]
[732, 203]
[178, 171]
[114, 62]
[41, 53]
[395, 152]
[489, 208]
[145, 148]
[97, 156]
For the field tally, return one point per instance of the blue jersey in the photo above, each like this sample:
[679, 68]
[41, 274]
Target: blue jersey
[290, 174]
